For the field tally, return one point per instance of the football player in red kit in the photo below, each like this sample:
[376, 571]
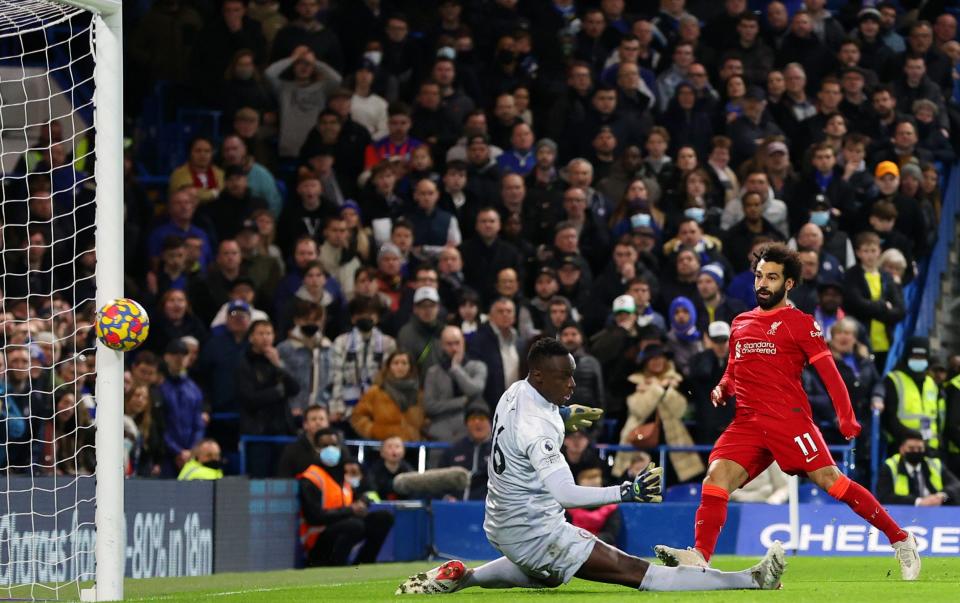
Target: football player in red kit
[769, 347]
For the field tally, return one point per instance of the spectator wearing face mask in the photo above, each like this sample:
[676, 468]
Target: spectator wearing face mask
[911, 477]
[357, 356]
[333, 520]
[912, 407]
[205, 462]
[306, 355]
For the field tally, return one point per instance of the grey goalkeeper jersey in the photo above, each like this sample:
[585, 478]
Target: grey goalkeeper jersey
[527, 436]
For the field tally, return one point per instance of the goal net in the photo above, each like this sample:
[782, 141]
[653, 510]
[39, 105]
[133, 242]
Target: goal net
[48, 284]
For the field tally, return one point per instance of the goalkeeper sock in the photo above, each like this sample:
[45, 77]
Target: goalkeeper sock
[500, 573]
[866, 506]
[711, 516]
[659, 578]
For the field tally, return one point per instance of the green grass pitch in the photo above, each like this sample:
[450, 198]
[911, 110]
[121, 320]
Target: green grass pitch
[813, 579]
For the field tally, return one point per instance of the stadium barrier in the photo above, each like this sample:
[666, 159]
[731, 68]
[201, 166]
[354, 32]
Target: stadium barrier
[605, 451]
[198, 528]
[825, 529]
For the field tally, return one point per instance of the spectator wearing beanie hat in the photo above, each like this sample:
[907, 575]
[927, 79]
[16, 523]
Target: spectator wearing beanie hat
[712, 305]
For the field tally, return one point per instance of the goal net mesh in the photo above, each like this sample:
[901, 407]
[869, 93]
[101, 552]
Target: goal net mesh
[47, 267]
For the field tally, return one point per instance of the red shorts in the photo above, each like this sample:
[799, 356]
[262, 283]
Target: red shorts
[755, 441]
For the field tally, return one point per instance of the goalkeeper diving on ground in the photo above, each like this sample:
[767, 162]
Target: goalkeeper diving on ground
[529, 487]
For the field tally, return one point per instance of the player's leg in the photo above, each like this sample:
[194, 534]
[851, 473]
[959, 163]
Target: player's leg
[864, 504]
[503, 573]
[723, 477]
[610, 565]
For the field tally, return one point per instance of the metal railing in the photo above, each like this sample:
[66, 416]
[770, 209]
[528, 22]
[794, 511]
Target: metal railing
[846, 450]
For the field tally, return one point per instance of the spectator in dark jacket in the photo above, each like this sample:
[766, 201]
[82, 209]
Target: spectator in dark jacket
[862, 380]
[223, 37]
[928, 482]
[472, 451]
[706, 369]
[688, 125]
[872, 297]
[589, 389]
[488, 254]
[332, 523]
[174, 320]
[185, 421]
[711, 303]
[263, 387]
[299, 455]
[752, 126]
[381, 472]
[497, 344]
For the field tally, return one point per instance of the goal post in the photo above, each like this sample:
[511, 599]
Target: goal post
[61, 84]
[108, 124]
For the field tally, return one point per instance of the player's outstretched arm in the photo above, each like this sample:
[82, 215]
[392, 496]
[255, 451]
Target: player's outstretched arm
[561, 486]
[645, 488]
[577, 416]
[837, 390]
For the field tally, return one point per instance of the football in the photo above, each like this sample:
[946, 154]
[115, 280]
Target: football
[122, 325]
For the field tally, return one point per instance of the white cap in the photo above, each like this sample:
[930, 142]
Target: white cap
[426, 294]
[718, 330]
[625, 303]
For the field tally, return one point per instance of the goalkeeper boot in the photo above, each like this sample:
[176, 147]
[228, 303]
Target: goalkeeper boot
[767, 573]
[438, 581]
[908, 557]
[672, 557]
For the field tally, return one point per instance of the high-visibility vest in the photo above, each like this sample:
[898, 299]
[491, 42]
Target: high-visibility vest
[952, 447]
[913, 407]
[901, 480]
[193, 469]
[81, 151]
[335, 496]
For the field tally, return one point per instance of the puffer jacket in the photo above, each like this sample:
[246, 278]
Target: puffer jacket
[378, 417]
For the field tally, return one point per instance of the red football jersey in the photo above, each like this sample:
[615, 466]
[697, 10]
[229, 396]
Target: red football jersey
[768, 350]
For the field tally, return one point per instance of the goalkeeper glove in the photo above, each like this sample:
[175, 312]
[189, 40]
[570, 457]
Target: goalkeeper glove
[577, 417]
[645, 488]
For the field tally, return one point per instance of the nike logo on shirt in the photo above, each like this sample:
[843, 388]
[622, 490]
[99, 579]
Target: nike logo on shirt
[812, 457]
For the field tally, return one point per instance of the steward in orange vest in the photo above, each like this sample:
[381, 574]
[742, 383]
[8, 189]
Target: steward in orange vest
[332, 519]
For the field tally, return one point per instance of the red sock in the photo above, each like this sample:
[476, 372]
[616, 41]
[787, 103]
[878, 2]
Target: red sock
[711, 516]
[866, 506]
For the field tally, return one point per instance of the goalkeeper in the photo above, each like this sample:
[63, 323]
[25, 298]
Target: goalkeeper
[530, 485]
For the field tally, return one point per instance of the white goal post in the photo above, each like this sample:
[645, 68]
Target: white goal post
[38, 92]
[108, 122]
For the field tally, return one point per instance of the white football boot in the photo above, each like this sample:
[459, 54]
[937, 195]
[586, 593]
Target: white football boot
[908, 557]
[768, 572]
[440, 580]
[672, 557]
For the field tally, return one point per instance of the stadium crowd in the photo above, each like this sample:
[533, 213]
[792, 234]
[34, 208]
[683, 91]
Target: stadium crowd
[405, 195]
